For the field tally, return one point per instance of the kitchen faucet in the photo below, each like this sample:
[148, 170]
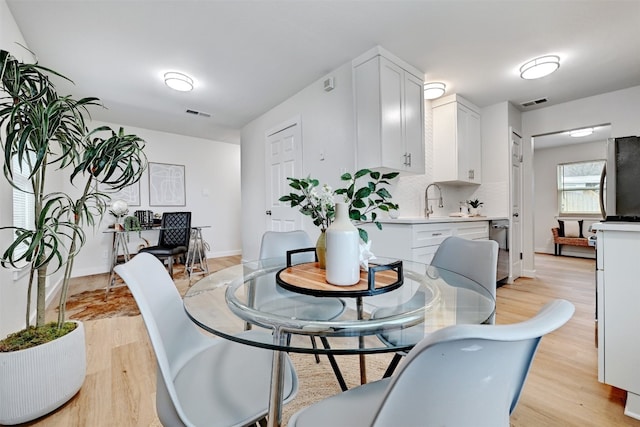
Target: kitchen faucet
[428, 210]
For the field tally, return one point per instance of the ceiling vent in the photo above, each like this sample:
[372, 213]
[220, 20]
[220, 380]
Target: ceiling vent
[534, 102]
[198, 113]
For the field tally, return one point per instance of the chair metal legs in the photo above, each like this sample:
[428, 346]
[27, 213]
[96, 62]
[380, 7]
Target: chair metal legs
[170, 266]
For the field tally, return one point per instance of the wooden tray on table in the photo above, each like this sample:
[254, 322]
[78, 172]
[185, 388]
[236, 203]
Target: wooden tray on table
[309, 278]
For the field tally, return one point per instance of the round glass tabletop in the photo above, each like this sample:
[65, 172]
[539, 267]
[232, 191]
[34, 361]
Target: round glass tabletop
[248, 296]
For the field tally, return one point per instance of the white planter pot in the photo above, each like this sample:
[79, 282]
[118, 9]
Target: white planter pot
[38, 380]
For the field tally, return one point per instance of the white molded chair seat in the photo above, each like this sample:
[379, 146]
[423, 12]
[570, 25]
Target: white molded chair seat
[275, 244]
[463, 375]
[268, 294]
[202, 380]
[475, 260]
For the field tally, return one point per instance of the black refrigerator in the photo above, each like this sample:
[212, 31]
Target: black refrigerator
[620, 181]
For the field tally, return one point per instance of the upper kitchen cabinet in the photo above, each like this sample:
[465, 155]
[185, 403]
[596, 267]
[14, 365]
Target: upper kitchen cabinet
[389, 108]
[456, 141]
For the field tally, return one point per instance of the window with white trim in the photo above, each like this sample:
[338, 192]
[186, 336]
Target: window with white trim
[579, 187]
[23, 201]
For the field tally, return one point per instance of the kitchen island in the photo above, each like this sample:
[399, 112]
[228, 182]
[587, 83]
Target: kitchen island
[617, 301]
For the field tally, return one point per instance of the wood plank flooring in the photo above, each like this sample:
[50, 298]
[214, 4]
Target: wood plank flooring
[562, 388]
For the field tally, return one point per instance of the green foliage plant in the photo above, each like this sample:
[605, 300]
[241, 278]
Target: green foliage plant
[318, 204]
[475, 203]
[364, 200]
[46, 131]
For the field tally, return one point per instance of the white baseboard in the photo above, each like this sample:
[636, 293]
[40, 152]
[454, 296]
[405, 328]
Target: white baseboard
[220, 254]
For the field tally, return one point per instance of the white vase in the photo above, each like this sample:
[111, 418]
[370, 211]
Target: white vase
[343, 249]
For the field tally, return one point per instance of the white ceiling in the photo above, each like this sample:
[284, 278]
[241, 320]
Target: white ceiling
[601, 132]
[248, 56]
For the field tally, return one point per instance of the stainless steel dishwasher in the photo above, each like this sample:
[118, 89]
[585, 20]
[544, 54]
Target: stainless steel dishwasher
[499, 231]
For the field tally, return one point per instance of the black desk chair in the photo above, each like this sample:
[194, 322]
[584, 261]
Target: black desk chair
[173, 242]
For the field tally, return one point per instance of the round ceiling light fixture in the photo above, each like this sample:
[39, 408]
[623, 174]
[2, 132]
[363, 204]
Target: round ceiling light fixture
[434, 90]
[577, 133]
[540, 67]
[178, 81]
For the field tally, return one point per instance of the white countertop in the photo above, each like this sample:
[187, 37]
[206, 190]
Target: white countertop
[435, 220]
[616, 226]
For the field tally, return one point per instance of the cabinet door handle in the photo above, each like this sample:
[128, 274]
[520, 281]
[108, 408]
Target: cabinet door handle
[409, 159]
[268, 212]
[471, 174]
[436, 234]
[405, 159]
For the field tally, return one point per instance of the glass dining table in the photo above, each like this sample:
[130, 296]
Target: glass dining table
[390, 310]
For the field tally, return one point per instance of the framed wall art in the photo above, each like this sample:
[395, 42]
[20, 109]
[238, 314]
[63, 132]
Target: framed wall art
[130, 194]
[166, 185]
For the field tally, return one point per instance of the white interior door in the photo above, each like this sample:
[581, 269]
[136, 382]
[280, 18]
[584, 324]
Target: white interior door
[515, 238]
[284, 159]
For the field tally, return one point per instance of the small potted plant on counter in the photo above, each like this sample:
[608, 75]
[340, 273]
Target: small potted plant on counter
[474, 207]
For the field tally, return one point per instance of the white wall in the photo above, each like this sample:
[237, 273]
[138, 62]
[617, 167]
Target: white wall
[620, 108]
[327, 126]
[546, 192]
[213, 195]
[496, 170]
[212, 174]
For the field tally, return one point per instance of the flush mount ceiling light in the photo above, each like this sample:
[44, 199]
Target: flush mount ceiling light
[540, 67]
[178, 81]
[434, 90]
[581, 132]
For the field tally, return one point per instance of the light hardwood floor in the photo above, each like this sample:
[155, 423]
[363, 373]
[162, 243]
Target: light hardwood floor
[562, 388]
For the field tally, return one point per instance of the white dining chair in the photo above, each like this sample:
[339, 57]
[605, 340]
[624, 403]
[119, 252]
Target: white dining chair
[475, 260]
[201, 380]
[274, 245]
[462, 375]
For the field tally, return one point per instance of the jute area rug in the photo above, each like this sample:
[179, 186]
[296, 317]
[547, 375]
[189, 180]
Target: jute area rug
[316, 380]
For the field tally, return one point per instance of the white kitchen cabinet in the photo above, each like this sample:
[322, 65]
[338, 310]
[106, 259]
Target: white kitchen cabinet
[416, 242]
[618, 293]
[457, 156]
[389, 113]
[419, 242]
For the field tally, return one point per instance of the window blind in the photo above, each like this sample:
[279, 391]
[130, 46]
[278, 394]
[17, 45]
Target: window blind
[23, 199]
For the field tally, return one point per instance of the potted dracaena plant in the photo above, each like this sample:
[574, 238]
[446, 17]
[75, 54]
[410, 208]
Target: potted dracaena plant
[44, 134]
[363, 202]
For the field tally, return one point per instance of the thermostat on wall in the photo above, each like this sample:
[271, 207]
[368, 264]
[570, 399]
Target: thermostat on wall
[329, 84]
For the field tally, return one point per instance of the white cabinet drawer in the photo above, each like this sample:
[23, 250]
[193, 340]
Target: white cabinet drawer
[430, 234]
[424, 254]
[473, 231]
